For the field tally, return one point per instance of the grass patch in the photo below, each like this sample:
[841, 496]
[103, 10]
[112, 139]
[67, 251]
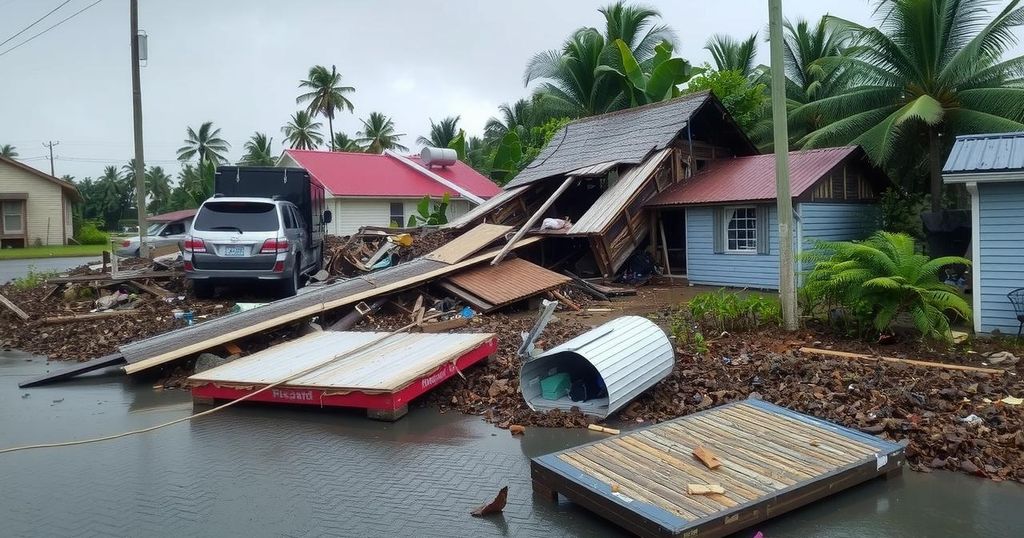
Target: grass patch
[54, 251]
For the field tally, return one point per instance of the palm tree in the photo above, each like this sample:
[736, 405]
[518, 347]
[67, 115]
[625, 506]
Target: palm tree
[933, 69]
[205, 145]
[379, 134]
[112, 196]
[731, 54]
[343, 143]
[158, 187]
[519, 116]
[441, 133]
[8, 151]
[325, 95]
[258, 151]
[573, 82]
[302, 132]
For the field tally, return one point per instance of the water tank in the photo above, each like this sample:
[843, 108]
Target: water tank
[438, 156]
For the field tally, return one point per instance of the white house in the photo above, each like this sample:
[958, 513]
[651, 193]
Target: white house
[35, 207]
[367, 189]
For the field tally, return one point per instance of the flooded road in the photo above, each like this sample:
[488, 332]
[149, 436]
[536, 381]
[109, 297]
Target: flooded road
[263, 471]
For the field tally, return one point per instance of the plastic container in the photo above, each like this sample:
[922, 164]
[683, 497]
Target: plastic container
[555, 386]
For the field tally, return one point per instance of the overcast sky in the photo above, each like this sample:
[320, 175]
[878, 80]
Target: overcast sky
[238, 64]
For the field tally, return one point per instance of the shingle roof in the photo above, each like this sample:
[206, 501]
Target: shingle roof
[744, 179]
[986, 153]
[627, 136]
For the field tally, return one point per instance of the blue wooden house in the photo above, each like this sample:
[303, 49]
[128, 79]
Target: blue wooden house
[991, 166]
[722, 223]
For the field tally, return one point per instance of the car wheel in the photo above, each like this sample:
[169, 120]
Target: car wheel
[291, 285]
[203, 289]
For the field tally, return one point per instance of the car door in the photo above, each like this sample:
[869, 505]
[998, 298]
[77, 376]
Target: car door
[302, 235]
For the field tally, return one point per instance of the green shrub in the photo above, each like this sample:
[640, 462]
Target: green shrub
[90, 234]
[729, 311]
[686, 333]
[33, 278]
[869, 284]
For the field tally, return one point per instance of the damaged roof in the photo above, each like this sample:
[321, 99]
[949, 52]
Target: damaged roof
[742, 179]
[626, 136]
[1002, 152]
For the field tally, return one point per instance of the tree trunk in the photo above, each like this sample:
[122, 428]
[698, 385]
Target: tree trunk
[330, 127]
[935, 168]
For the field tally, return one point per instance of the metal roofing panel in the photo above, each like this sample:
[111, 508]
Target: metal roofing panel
[485, 208]
[627, 136]
[753, 178]
[986, 153]
[387, 366]
[630, 353]
[613, 201]
[509, 281]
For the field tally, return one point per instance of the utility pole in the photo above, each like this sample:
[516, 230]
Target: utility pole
[787, 269]
[50, 145]
[140, 163]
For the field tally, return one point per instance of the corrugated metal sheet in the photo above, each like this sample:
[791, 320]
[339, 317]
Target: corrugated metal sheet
[508, 282]
[613, 201]
[386, 367]
[596, 170]
[753, 178]
[986, 153]
[630, 353]
[485, 208]
[627, 136]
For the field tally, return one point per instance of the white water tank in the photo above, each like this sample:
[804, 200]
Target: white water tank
[438, 156]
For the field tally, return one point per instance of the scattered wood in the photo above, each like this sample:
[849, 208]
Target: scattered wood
[13, 307]
[704, 489]
[468, 243]
[586, 287]
[707, 457]
[444, 326]
[52, 291]
[121, 276]
[926, 364]
[560, 297]
[517, 429]
[57, 320]
[151, 288]
[493, 507]
[600, 310]
[602, 429]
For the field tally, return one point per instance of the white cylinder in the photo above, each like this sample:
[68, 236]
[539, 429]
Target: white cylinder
[438, 156]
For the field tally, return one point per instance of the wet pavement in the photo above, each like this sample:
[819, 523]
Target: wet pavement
[271, 471]
[11, 269]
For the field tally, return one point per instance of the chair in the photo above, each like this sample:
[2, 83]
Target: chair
[1016, 298]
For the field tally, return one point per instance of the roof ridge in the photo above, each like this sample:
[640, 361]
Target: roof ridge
[688, 97]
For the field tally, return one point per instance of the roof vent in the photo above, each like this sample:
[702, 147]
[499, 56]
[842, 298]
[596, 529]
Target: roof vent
[438, 157]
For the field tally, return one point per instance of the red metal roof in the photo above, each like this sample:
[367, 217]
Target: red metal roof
[373, 175]
[753, 178]
[172, 216]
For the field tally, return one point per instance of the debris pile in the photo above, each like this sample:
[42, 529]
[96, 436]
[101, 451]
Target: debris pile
[373, 248]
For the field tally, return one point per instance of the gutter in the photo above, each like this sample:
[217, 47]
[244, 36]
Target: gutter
[462, 192]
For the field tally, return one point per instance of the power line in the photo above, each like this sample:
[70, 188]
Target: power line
[62, 21]
[37, 21]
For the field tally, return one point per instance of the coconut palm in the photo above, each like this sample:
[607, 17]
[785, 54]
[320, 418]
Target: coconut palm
[731, 54]
[113, 196]
[204, 144]
[441, 133]
[325, 95]
[258, 150]
[573, 83]
[302, 132]
[933, 69]
[379, 134]
[342, 142]
[8, 151]
[519, 116]
[158, 188]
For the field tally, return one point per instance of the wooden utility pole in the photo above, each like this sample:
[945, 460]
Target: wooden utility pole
[50, 145]
[787, 261]
[140, 163]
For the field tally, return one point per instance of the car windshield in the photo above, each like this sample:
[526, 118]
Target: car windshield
[237, 216]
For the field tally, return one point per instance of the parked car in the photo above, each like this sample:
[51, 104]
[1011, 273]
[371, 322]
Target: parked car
[249, 239]
[165, 229]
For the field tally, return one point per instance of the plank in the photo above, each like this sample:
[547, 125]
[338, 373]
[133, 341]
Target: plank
[735, 450]
[152, 289]
[776, 453]
[799, 443]
[704, 489]
[468, 243]
[856, 446]
[58, 320]
[707, 457]
[74, 370]
[13, 307]
[925, 364]
[840, 449]
[738, 489]
[310, 311]
[121, 277]
[479, 304]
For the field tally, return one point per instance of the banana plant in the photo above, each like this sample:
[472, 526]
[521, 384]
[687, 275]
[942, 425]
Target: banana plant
[507, 157]
[657, 81]
[426, 215]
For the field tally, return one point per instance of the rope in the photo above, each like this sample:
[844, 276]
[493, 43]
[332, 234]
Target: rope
[351, 352]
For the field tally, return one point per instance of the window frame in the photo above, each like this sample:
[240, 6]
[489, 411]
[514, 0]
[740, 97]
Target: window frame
[392, 214]
[727, 217]
[20, 204]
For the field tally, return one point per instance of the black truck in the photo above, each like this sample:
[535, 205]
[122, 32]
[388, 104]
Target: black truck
[294, 185]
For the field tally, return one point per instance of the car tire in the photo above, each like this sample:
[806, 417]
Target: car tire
[203, 289]
[290, 286]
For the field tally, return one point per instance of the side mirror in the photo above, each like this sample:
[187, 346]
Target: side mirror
[327, 216]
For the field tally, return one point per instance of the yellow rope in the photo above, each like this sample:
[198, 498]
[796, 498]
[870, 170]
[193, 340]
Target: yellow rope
[230, 403]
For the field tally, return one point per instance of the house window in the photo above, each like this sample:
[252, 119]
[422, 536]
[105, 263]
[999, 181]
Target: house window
[397, 218]
[741, 229]
[13, 217]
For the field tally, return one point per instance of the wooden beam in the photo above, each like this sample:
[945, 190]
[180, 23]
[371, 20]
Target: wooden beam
[57, 320]
[13, 307]
[533, 218]
[704, 489]
[926, 364]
